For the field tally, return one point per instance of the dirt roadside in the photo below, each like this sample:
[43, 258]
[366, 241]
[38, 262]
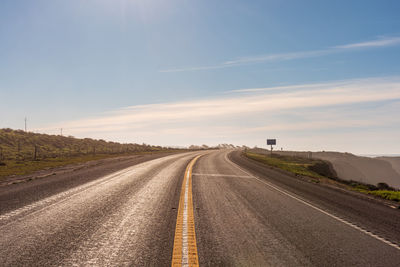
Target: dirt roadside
[113, 164]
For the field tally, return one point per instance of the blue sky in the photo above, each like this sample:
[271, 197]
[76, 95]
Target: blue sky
[97, 62]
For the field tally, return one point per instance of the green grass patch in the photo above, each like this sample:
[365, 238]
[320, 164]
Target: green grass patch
[386, 194]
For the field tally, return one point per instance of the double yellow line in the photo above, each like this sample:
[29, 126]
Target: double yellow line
[185, 248]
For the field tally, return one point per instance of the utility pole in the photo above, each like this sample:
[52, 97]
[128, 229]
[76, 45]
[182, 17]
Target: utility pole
[25, 124]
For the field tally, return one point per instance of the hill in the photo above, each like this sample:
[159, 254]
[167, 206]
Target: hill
[22, 152]
[350, 167]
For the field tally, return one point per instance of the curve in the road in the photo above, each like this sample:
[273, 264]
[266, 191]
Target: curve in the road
[219, 209]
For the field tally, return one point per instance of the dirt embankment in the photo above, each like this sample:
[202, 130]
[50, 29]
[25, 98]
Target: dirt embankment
[361, 169]
[394, 161]
[101, 166]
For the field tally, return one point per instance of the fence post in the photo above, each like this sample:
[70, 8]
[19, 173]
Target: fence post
[35, 153]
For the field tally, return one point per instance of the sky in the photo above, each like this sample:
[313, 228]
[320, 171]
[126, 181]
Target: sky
[315, 75]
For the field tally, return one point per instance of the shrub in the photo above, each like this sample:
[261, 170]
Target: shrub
[384, 186]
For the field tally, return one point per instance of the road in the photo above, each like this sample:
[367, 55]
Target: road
[218, 209]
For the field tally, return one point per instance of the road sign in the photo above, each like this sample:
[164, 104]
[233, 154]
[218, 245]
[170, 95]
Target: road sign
[271, 142]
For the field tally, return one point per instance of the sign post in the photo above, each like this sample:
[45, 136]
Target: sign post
[271, 142]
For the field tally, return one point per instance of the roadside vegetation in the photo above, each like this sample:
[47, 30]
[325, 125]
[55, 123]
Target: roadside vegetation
[25, 152]
[297, 165]
[321, 172]
[381, 190]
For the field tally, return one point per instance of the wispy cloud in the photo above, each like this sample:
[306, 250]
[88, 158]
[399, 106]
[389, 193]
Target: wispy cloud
[277, 57]
[289, 87]
[302, 108]
[198, 68]
[318, 86]
[381, 42]
[390, 41]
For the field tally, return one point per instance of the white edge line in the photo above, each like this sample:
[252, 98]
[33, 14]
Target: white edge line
[314, 207]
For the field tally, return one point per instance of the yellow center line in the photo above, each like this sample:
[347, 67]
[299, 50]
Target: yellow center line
[185, 248]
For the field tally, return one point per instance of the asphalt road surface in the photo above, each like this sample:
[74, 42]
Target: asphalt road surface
[244, 214]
